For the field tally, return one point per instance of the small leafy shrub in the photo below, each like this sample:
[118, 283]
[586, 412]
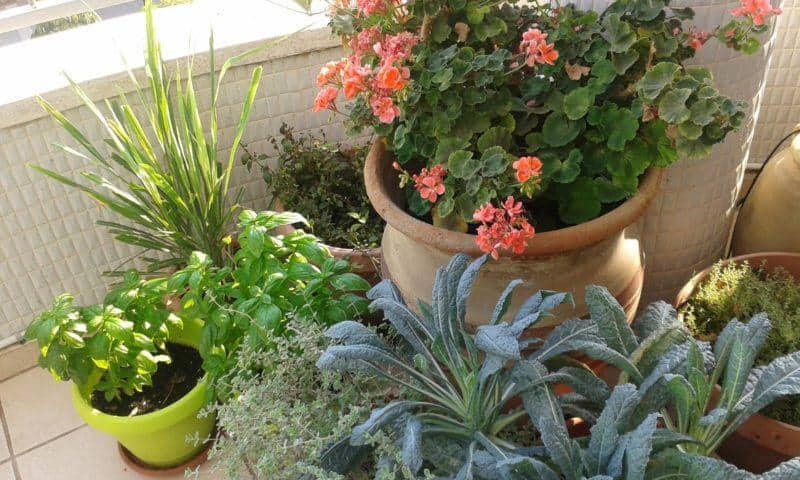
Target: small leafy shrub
[737, 290]
[113, 348]
[159, 171]
[325, 184]
[285, 416]
[543, 107]
[272, 281]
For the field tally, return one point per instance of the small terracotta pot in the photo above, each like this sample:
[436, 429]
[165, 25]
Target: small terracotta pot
[602, 251]
[761, 443]
[363, 262]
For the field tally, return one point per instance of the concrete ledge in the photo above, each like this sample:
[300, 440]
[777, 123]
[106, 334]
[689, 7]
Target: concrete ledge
[98, 56]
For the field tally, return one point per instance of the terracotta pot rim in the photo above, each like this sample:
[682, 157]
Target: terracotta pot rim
[690, 286]
[546, 243]
[757, 423]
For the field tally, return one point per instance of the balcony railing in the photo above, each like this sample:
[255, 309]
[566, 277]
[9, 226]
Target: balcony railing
[33, 12]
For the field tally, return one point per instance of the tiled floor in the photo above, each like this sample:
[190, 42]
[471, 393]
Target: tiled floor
[42, 438]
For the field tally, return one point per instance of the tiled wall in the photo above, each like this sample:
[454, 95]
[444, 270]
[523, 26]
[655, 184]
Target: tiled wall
[780, 108]
[49, 243]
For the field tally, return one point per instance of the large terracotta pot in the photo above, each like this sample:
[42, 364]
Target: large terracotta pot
[768, 221]
[761, 443]
[598, 252]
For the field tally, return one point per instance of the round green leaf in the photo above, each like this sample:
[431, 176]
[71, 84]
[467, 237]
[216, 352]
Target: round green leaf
[461, 164]
[672, 106]
[618, 33]
[558, 130]
[577, 103]
[654, 81]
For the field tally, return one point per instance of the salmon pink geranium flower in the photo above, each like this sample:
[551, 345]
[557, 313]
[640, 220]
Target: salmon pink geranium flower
[392, 78]
[326, 99]
[757, 10]
[526, 168]
[384, 108]
[503, 228]
[536, 49]
[429, 183]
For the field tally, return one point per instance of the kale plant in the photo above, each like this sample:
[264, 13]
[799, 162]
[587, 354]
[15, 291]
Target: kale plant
[463, 395]
[673, 369]
[463, 390]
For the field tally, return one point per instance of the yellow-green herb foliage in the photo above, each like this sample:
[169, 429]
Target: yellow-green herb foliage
[741, 290]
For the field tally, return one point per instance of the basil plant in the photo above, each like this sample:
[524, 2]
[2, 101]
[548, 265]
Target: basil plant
[113, 348]
[273, 280]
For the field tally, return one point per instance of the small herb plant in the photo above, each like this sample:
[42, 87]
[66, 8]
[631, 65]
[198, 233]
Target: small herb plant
[738, 290]
[324, 183]
[535, 106]
[285, 417]
[272, 280]
[113, 348]
[159, 172]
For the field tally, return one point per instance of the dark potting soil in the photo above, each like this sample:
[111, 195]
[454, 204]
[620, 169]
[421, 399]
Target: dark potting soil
[170, 383]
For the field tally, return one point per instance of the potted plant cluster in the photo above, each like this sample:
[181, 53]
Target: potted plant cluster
[743, 287]
[150, 357]
[501, 119]
[324, 182]
[143, 369]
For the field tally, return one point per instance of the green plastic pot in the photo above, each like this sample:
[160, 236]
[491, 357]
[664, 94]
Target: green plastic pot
[158, 439]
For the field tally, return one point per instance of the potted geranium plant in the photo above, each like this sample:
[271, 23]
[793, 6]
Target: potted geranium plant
[742, 287]
[135, 369]
[500, 119]
[324, 182]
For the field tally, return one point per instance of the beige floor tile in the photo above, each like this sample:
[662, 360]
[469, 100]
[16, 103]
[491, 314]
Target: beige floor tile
[17, 358]
[5, 453]
[7, 471]
[37, 408]
[83, 454]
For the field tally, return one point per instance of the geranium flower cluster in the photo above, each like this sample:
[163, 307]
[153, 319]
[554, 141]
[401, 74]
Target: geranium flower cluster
[354, 75]
[503, 228]
[757, 10]
[528, 171]
[535, 48]
[430, 183]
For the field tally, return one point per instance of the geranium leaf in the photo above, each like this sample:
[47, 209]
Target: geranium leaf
[461, 164]
[654, 81]
[577, 103]
[672, 106]
[558, 130]
[618, 33]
